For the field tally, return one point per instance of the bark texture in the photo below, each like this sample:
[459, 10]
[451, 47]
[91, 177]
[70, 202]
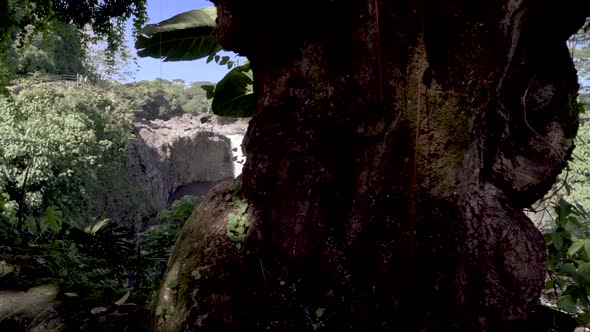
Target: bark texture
[394, 146]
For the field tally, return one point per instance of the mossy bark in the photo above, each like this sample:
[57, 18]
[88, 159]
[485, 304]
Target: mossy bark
[394, 146]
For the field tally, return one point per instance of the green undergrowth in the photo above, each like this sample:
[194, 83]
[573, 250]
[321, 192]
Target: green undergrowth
[568, 261]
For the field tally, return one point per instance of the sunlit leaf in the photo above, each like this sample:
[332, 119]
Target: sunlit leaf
[123, 299]
[319, 312]
[186, 36]
[234, 94]
[94, 228]
[566, 303]
[575, 247]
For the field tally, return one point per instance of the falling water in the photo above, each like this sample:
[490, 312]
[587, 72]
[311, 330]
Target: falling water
[236, 150]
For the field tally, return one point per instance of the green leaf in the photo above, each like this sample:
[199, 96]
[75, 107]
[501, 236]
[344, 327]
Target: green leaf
[234, 94]
[224, 60]
[573, 224]
[584, 271]
[557, 240]
[319, 312]
[196, 274]
[52, 219]
[172, 284]
[124, 299]
[575, 247]
[584, 319]
[232, 219]
[566, 303]
[563, 209]
[209, 89]
[547, 238]
[186, 36]
[242, 209]
[549, 284]
[587, 248]
[93, 229]
[560, 282]
[568, 269]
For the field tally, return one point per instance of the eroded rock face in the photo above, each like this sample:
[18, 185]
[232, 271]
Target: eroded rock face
[185, 155]
[182, 153]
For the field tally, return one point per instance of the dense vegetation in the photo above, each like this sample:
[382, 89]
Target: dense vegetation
[568, 233]
[62, 31]
[163, 98]
[63, 153]
[62, 145]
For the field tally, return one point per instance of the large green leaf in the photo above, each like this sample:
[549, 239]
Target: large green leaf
[233, 95]
[186, 36]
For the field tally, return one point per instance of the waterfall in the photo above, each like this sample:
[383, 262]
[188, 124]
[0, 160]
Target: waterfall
[236, 151]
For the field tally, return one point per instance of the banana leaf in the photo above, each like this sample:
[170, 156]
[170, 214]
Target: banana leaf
[234, 94]
[184, 37]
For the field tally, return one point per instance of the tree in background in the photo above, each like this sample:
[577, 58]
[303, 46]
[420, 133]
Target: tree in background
[163, 99]
[95, 21]
[574, 185]
[58, 144]
[100, 65]
[54, 51]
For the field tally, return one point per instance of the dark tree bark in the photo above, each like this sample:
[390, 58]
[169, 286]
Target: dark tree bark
[394, 146]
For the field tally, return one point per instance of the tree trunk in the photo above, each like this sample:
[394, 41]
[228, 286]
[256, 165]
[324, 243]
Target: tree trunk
[394, 146]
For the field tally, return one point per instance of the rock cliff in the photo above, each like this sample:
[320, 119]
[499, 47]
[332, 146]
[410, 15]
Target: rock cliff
[183, 155]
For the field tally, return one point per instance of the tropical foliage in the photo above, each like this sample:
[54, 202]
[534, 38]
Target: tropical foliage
[55, 51]
[157, 241]
[63, 149]
[575, 188]
[569, 260]
[188, 36]
[30, 30]
[101, 256]
[163, 98]
[568, 238]
[55, 142]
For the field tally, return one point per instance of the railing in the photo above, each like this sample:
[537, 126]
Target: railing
[68, 78]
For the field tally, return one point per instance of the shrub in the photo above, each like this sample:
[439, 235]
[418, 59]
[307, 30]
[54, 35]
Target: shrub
[569, 260]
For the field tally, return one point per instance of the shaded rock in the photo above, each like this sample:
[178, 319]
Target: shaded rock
[21, 310]
[168, 159]
[41, 309]
[168, 155]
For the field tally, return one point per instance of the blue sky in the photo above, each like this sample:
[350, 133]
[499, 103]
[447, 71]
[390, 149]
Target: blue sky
[189, 71]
